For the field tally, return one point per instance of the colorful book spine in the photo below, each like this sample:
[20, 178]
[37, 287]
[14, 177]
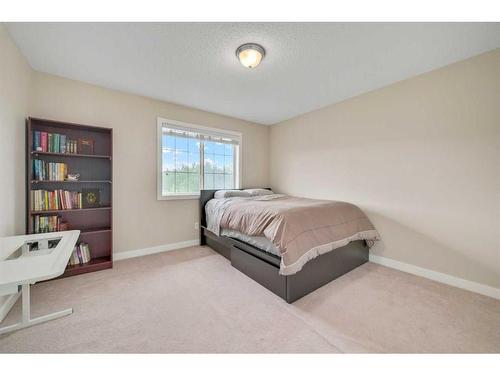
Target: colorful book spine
[63, 144]
[49, 171]
[53, 142]
[45, 224]
[37, 142]
[43, 200]
[50, 142]
[44, 141]
[74, 258]
[86, 252]
[79, 253]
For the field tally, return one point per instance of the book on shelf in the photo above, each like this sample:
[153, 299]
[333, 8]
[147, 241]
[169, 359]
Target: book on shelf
[48, 171]
[43, 137]
[60, 143]
[45, 224]
[86, 146]
[81, 254]
[50, 140]
[62, 147]
[72, 147]
[37, 142]
[45, 200]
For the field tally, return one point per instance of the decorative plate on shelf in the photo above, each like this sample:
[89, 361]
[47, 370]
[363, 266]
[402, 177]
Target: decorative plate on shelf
[90, 198]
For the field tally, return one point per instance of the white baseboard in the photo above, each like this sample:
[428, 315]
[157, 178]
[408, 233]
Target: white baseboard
[154, 249]
[437, 276]
[7, 305]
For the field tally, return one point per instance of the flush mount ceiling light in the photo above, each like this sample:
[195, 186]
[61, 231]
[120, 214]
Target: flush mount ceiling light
[250, 54]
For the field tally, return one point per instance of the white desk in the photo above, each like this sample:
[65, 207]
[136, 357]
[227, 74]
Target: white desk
[19, 268]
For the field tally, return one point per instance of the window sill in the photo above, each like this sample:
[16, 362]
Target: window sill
[178, 197]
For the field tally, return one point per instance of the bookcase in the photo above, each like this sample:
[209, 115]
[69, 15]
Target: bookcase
[95, 168]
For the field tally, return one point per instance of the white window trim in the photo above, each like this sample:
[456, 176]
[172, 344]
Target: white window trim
[200, 128]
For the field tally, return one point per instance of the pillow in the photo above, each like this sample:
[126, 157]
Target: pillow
[230, 193]
[258, 192]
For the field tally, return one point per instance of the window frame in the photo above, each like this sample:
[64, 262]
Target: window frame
[198, 129]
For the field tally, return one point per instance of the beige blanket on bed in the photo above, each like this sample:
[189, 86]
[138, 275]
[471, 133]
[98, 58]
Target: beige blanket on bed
[300, 228]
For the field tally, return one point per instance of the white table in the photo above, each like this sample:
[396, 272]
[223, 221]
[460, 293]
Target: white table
[19, 268]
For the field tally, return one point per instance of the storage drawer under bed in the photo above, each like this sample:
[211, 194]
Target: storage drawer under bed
[265, 273]
[264, 267]
[217, 243]
[316, 273]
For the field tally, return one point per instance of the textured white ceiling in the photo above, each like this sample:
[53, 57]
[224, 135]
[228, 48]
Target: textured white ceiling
[307, 65]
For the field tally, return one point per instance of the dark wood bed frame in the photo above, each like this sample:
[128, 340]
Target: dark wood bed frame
[264, 267]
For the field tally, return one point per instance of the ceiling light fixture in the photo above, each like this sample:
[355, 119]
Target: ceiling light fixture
[250, 54]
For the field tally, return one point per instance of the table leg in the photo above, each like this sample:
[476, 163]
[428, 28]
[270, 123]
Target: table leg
[25, 295]
[26, 317]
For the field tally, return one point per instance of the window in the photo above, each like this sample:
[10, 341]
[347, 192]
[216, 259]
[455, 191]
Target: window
[192, 157]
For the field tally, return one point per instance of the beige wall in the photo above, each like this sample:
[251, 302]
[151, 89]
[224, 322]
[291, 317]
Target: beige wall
[139, 219]
[15, 76]
[421, 157]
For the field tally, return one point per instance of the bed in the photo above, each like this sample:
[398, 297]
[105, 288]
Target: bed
[289, 272]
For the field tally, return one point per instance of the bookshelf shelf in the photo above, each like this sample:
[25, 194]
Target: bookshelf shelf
[93, 163]
[33, 212]
[70, 182]
[95, 264]
[42, 153]
[95, 230]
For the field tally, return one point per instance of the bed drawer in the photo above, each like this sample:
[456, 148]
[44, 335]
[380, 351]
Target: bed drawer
[264, 273]
[325, 268]
[217, 244]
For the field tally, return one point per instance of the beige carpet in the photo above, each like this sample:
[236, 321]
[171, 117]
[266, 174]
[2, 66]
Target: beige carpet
[192, 300]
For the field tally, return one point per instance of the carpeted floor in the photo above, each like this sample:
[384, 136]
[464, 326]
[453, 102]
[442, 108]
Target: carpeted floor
[192, 300]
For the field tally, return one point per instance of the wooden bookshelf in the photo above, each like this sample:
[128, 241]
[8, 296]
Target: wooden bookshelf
[96, 171]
